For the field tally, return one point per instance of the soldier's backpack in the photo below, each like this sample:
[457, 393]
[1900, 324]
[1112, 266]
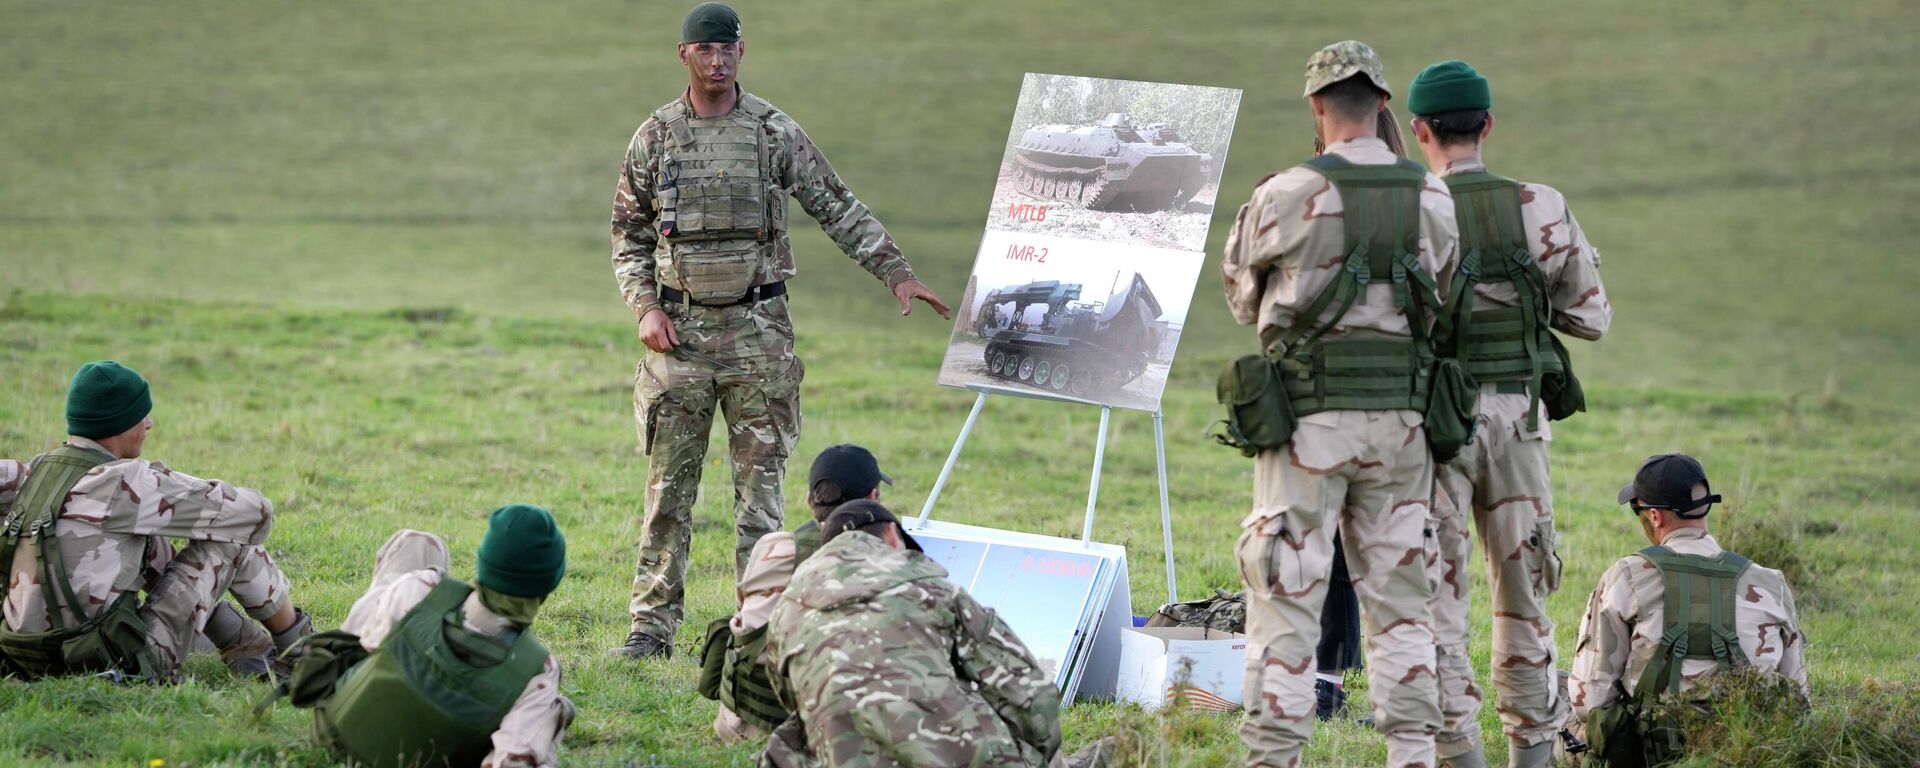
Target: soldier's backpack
[731, 673]
[432, 694]
[115, 638]
[1699, 624]
[1514, 347]
[1224, 611]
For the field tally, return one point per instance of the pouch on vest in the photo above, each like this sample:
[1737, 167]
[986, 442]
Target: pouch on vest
[1451, 409]
[319, 661]
[731, 673]
[1613, 733]
[713, 658]
[1560, 390]
[1259, 417]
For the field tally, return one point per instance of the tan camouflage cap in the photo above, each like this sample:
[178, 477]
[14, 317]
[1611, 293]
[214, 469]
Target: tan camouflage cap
[1342, 60]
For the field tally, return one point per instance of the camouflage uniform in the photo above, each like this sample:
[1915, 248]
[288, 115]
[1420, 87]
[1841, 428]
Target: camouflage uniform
[1501, 480]
[114, 532]
[405, 570]
[886, 663]
[1367, 473]
[738, 359]
[1621, 629]
[769, 570]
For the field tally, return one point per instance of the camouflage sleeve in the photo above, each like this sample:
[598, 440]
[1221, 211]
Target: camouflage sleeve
[1439, 234]
[529, 736]
[805, 173]
[146, 498]
[1010, 679]
[1245, 279]
[1580, 306]
[634, 235]
[12, 475]
[1600, 656]
[1793, 653]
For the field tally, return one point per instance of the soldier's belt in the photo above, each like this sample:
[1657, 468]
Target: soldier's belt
[754, 295]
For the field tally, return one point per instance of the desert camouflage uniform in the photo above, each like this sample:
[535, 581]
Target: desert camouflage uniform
[737, 359]
[1624, 619]
[769, 570]
[405, 571]
[886, 663]
[1501, 481]
[114, 532]
[1368, 473]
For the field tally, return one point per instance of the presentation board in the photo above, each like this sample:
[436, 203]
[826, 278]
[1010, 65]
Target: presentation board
[1095, 237]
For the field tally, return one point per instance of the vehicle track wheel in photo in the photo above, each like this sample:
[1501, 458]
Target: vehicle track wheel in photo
[1026, 369]
[1013, 366]
[998, 364]
[1060, 378]
[1081, 382]
[1042, 373]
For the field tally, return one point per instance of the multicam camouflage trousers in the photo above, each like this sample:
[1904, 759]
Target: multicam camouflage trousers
[739, 359]
[1501, 478]
[191, 582]
[1367, 473]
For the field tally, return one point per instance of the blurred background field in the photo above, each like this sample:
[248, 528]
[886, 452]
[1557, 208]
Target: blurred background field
[361, 251]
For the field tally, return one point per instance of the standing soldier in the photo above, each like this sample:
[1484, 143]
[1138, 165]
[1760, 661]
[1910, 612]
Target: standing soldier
[1525, 270]
[89, 527]
[701, 253]
[1341, 261]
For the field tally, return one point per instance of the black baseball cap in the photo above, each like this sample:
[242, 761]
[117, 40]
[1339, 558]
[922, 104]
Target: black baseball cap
[1666, 481]
[850, 467]
[860, 513]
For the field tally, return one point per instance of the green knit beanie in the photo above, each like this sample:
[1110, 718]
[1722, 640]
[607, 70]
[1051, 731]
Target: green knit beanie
[106, 399]
[1449, 86]
[710, 23]
[524, 554]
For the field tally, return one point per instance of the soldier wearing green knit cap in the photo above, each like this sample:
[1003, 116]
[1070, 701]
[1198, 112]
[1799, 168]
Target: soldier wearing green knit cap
[432, 670]
[702, 257]
[117, 562]
[1526, 270]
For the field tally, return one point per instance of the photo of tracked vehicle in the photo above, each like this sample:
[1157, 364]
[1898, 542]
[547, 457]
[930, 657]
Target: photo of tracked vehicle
[1112, 165]
[1077, 348]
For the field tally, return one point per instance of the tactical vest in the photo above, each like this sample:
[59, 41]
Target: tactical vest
[1698, 608]
[433, 693]
[114, 638]
[1382, 223]
[717, 197]
[731, 673]
[1512, 346]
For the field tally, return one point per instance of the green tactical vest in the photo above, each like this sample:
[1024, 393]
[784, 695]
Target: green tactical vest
[1382, 222]
[731, 673]
[433, 693]
[1698, 606]
[717, 197]
[1507, 345]
[114, 638]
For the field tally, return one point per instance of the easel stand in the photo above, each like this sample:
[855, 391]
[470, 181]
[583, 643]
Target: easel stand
[1099, 456]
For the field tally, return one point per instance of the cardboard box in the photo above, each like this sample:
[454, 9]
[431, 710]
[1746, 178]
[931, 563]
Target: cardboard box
[1153, 660]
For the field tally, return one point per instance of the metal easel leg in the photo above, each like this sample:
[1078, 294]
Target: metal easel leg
[1166, 513]
[1093, 490]
[926, 510]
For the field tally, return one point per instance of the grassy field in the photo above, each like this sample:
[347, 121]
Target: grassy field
[360, 250]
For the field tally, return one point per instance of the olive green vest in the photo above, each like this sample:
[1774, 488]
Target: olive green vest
[1382, 220]
[718, 200]
[1509, 345]
[113, 638]
[433, 693]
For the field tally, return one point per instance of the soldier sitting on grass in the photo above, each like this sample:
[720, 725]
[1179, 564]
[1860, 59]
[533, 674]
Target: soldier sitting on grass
[90, 527]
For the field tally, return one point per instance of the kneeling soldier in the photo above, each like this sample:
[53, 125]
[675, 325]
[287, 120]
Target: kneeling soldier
[89, 527]
[455, 675]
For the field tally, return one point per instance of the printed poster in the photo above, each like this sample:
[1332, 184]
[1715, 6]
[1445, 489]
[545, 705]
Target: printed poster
[1094, 241]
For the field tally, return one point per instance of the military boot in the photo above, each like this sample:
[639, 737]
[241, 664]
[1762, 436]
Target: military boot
[244, 645]
[1330, 701]
[640, 645]
[1530, 755]
[284, 639]
[1465, 753]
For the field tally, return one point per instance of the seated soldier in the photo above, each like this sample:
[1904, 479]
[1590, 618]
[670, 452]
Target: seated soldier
[73, 603]
[886, 663]
[1671, 614]
[731, 661]
[435, 691]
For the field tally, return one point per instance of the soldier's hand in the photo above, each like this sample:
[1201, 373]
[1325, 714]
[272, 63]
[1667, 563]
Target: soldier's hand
[909, 290]
[656, 331]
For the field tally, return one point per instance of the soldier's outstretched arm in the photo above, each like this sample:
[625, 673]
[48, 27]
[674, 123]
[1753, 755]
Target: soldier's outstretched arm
[1010, 679]
[634, 236]
[1580, 306]
[845, 219]
[144, 498]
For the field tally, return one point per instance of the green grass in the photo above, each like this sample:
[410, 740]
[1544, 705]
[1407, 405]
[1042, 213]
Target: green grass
[360, 249]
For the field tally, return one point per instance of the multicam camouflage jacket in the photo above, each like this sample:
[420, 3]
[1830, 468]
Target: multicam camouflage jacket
[798, 169]
[886, 663]
[113, 530]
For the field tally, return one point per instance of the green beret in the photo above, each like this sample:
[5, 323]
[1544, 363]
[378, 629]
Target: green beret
[1449, 86]
[524, 554]
[106, 399]
[710, 23]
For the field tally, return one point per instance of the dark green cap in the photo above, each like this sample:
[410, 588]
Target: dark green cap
[106, 399]
[710, 23]
[1449, 86]
[524, 554]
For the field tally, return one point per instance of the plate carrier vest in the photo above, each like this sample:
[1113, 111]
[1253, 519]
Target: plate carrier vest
[714, 187]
